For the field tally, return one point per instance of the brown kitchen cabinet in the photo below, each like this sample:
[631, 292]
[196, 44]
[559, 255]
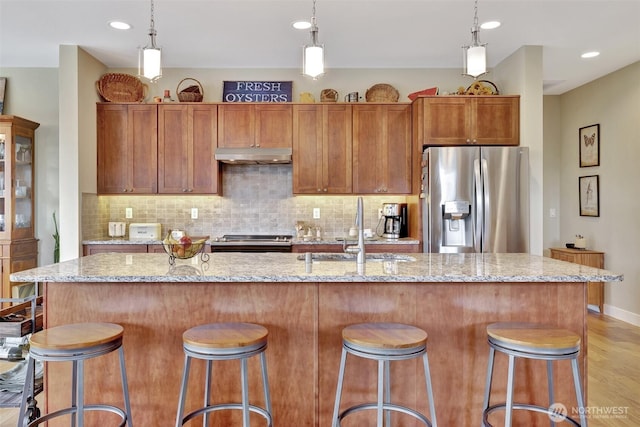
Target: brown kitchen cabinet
[463, 120]
[18, 245]
[255, 125]
[187, 138]
[322, 149]
[595, 290]
[382, 149]
[127, 148]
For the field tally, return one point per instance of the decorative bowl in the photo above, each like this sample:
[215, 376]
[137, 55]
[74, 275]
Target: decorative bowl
[179, 245]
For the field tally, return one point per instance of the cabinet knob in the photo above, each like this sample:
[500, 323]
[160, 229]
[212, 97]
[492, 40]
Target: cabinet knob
[325, 190]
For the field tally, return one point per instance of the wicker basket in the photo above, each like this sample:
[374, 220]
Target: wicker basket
[193, 93]
[117, 87]
[382, 92]
[482, 87]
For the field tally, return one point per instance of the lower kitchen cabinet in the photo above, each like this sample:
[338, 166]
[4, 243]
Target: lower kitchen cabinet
[16, 256]
[595, 290]
[371, 248]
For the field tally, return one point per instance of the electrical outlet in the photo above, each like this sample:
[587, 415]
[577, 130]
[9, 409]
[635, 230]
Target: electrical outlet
[316, 213]
[552, 213]
[128, 213]
[379, 213]
[194, 213]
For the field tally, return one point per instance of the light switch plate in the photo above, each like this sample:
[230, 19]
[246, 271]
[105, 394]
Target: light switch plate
[194, 213]
[128, 213]
[316, 213]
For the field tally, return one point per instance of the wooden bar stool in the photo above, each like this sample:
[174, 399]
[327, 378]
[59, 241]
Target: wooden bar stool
[225, 341]
[539, 342]
[384, 342]
[76, 343]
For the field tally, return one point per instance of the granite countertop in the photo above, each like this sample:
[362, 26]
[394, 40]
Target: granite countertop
[294, 241]
[287, 267]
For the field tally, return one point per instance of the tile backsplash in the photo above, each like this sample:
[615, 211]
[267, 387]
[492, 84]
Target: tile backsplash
[257, 199]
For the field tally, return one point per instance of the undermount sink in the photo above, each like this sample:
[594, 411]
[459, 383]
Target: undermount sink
[352, 257]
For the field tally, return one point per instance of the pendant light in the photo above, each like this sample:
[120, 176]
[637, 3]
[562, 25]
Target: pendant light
[149, 57]
[475, 54]
[313, 54]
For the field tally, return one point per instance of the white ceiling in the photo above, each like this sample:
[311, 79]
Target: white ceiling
[356, 33]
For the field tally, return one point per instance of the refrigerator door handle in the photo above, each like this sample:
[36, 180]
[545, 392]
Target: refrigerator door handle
[486, 206]
[478, 203]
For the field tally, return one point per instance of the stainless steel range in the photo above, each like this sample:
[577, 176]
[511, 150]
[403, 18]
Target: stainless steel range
[251, 243]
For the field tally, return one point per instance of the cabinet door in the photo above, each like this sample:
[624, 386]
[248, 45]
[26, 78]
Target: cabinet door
[307, 149]
[205, 173]
[382, 149]
[322, 149]
[496, 120]
[397, 149]
[274, 127]
[445, 120]
[337, 156]
[127, 149]
[173, 148]
[186, 142]
[255, 125]
[236, 125]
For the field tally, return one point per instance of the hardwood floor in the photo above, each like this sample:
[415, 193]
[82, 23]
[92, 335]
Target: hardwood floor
[613, 383]
[614, 372]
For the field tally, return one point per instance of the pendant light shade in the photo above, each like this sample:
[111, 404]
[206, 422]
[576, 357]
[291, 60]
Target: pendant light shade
[313, 54]
[150, 56]
[475, 55]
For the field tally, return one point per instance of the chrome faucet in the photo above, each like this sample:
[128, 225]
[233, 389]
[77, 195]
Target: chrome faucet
[359, 248]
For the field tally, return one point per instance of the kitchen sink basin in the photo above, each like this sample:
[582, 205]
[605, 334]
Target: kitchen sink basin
[352, 257]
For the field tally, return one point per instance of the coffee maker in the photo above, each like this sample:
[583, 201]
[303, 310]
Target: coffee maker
[395, 220]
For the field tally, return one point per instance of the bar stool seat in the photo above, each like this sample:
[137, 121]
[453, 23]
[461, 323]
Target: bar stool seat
[539, 342]
[225, 341]
[76, 343]
[384, 342]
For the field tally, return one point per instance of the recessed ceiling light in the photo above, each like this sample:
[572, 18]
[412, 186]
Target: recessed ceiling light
[490, 25]
[590, 54]
[301, 25]
[119, 25]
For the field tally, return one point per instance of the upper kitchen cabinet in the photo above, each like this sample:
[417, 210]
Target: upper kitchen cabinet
[463, 120]
[382, 148]
[255, 125]
[127, 148]
[18, 246]
[322, 157]
[187, 138]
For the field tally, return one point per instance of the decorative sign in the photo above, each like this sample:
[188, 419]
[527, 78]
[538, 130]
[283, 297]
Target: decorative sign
[246, 91]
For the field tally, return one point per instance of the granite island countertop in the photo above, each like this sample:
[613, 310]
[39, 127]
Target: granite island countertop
[288, 267]
[294, 241]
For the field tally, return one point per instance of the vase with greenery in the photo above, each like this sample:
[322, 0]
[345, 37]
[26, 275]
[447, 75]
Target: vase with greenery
[56, 239]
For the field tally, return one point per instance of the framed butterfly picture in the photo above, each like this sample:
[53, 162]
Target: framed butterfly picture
[589, 145]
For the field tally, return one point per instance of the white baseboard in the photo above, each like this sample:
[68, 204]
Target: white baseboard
[620, 314]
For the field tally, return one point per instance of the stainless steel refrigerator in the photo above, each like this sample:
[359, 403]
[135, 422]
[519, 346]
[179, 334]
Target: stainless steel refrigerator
[475, 199]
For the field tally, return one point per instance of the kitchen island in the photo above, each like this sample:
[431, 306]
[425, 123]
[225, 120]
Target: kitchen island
[305, 306]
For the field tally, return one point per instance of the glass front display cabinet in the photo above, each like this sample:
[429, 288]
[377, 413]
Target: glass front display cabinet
[17, 238]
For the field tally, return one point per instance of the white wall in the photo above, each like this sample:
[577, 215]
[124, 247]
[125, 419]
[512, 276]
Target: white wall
[613, 102]
[33, 94]
[522, 73]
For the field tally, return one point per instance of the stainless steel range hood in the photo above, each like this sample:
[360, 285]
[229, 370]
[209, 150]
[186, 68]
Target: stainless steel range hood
[253, 155]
